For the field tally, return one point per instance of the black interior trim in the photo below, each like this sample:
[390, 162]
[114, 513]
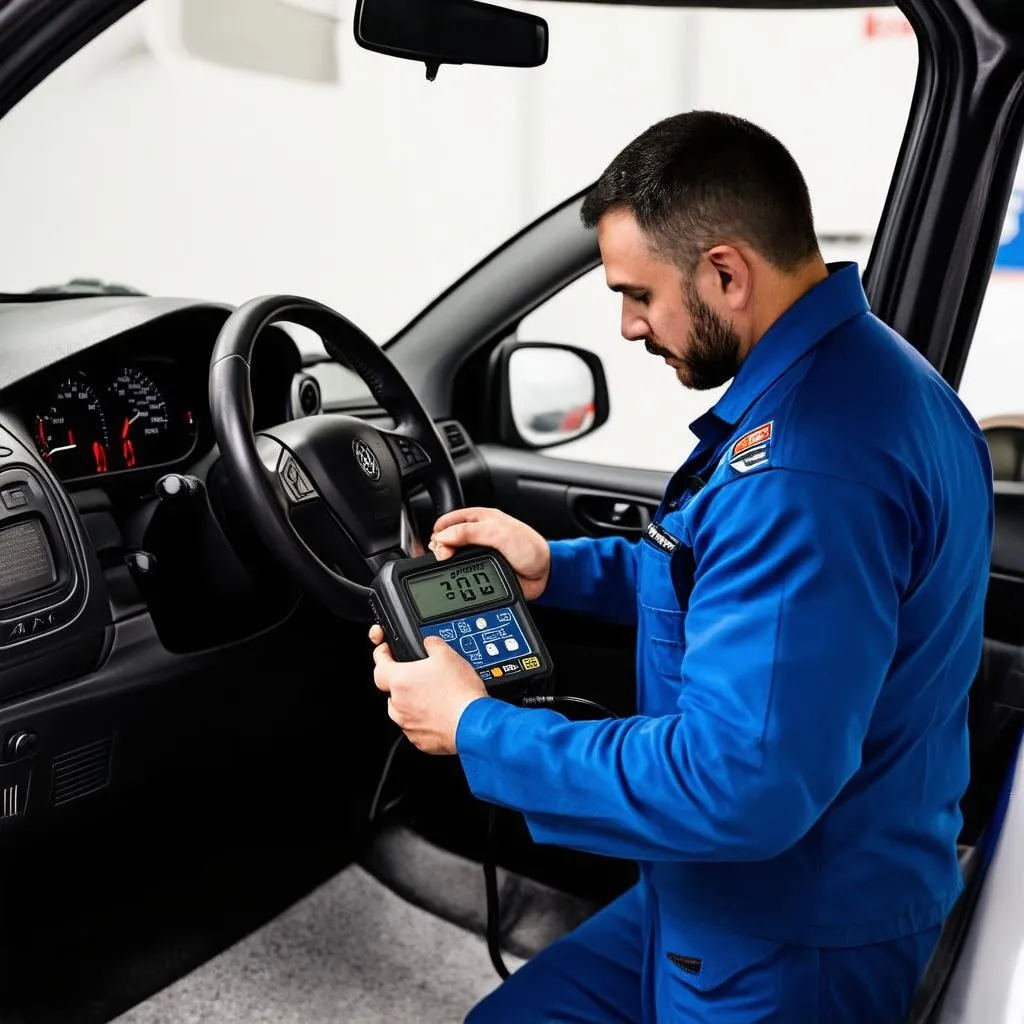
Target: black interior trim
[929, 268]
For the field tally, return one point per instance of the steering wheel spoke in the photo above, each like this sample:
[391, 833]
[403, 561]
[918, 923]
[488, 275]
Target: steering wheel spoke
[327, 493]
[291, 483]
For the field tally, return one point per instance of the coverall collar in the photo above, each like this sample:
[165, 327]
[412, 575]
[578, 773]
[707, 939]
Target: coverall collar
[813, 316]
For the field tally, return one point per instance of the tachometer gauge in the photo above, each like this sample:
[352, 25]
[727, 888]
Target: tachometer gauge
[141, 422]
[72, 433]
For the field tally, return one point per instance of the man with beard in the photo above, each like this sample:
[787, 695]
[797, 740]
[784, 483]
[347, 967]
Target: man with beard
[808, 605]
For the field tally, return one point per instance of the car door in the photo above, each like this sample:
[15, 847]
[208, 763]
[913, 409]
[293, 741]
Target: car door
[924, 246]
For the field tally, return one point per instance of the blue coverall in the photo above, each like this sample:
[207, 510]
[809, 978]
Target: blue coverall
[808, 605]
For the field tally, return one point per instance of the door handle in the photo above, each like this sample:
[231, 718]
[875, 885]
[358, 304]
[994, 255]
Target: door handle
[612, 514]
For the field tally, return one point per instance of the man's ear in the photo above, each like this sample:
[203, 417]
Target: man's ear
[731, 275]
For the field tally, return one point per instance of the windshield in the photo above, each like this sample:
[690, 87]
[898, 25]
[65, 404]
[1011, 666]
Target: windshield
[220, 149]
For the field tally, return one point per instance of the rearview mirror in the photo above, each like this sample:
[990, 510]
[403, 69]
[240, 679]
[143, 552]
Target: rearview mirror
[451, 32]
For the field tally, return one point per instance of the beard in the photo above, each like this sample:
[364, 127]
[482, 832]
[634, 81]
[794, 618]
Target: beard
[712, 354]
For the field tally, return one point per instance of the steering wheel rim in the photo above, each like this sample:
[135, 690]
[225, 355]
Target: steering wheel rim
[299, 466]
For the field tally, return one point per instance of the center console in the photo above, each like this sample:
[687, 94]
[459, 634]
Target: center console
[53, 610]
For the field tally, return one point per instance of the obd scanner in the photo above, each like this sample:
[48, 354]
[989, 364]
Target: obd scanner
[473, 602]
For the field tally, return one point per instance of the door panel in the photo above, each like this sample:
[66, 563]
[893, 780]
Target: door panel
[563, 498]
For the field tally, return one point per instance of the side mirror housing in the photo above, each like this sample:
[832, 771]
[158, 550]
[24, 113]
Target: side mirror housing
[1005, 437]
[542, 395]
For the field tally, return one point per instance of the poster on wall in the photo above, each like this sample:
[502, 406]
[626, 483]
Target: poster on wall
[1010, 254]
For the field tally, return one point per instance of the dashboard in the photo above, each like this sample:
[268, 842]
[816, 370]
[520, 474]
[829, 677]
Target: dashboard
[114, 417]
[101, 398]
[125, 399]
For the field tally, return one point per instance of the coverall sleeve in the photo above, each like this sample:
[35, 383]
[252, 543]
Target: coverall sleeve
[593, 576]
[790, 631]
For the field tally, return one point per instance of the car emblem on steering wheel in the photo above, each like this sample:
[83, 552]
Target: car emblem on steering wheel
[367, 460]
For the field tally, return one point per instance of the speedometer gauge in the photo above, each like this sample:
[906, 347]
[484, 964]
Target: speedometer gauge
[141, 422]
[71, 434]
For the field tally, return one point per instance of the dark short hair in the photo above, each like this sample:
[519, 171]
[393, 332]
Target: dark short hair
[705, 178]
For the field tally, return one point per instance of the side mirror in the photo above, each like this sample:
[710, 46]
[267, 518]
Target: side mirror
[545, 395]
[451, 32]
[1005, 437]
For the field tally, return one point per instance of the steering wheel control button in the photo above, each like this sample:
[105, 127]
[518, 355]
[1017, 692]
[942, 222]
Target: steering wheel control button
[296, 483]
[410, 455]
[14, 497]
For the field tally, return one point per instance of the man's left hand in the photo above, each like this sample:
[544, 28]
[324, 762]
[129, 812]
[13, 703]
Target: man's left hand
[427, 697]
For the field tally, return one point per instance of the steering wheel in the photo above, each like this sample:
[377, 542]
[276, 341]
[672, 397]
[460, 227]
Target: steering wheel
[327, 494]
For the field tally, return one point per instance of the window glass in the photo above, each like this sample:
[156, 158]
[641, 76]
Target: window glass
[221, 149]
[992, 386]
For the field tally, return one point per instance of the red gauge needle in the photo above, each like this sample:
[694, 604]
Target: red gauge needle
[127, 448]
[43, 445]
[128, 423]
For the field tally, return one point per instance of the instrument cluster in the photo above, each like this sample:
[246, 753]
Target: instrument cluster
[123, 418]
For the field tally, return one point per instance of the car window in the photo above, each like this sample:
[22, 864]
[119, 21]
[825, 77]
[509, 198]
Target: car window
[992, 385]
[181, 153]
[846, 142]
[650, 411]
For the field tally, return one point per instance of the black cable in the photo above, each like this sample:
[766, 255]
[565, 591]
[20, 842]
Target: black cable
[384, 776]
[554, 700]
[490, 858]
[491, 886]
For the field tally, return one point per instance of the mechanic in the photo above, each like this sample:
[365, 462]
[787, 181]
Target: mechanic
[808, 605]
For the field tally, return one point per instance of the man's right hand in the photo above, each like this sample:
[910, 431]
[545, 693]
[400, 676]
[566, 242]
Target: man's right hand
[523, 547]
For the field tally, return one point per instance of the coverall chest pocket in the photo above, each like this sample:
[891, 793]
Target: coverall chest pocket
[666, 580]
[663, 597]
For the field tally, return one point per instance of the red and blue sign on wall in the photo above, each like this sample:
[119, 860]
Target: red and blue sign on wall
[1010, 254]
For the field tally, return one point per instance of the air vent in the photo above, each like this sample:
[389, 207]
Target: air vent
[455, 437]
[81, 772]
[305, 396]
[309, 396]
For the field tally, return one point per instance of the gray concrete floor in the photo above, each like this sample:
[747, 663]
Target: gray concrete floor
[351, 952]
